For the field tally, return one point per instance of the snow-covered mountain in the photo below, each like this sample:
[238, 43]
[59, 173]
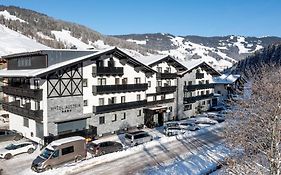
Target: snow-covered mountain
[33, 28]
[221, 52]
[14, 42]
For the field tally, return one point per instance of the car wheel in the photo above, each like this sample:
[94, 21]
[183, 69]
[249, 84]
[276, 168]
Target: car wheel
[78, 158]
[30, 150]
[8, 156]
[48, 168]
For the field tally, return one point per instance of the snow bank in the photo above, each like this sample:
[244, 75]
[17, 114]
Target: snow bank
[8, 16]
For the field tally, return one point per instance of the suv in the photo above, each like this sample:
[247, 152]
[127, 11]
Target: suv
[137, 137]
[6, 135]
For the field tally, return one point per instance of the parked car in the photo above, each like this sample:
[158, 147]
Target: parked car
[174, 130]
[171, 124]
[6, 135]
[137, 137]
[104, 147]
[189, 126]
[60, 151]
[205, 120]
[218, 117]
[217, 108]
[15, 149]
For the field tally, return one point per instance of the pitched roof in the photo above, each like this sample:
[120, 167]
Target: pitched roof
[226, 79]
[191, 65]
[95, 55]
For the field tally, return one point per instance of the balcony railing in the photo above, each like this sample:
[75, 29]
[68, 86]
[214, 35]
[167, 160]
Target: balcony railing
[166, 75]
[199, 75]
[152, 103]
[23, 92]
[118, 107]
[120, 88]
[198, 86]
[107, 71]
[193, 99]
[166, 89]
[13, 107]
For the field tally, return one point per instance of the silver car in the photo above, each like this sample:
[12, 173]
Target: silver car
[137, 137]
[171, 131]
[189, 126]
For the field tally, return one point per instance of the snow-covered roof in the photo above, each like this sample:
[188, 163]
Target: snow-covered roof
[151, 59]
[190, 65]
[38, 72]
[226, 79]
[66, 140]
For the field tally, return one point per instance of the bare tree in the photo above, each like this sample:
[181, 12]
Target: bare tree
[255, 125]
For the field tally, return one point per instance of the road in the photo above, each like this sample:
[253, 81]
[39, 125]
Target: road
[156, 156]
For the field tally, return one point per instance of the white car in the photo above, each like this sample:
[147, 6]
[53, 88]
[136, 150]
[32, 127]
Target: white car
[189, 126]
[174, 130]
[15, 149]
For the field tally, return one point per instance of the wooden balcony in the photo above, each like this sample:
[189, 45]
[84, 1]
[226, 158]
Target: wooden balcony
[13, 107]
[118, 107]
[107, 71]
[23, 92]
[120, 88]
[166, 75]
[193, 99]
[165, 89]
[198, 86]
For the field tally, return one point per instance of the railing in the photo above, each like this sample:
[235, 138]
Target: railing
[151, 103]
[166, 75]
[118, 107]
[193, 99]
[107, 89]
[107, 71]
[198, 86]
[28, 113]
[199, 75]
[23, 92]
[166, 89]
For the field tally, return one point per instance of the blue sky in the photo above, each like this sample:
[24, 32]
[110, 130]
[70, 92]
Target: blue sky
[178, 17]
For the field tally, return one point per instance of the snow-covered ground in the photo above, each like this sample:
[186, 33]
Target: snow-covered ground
[8, 16]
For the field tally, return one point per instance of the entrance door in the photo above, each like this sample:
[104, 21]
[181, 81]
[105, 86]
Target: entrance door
[160, 119]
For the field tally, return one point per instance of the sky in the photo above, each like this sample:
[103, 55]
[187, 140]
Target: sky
[177, 17]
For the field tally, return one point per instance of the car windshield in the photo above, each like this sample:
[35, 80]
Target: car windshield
[127, 136]
[46, 153]
[11, 147]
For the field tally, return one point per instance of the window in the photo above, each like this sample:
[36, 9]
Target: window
[203, 103]
[85, 102]
[24, 62]
[85, 83]
[209, 102]
[162, 97]
[111, 63]
[114, 118]
[55, 154]
[185, 83]
[67, 150]
[137, 80]
[139, 113]
[112, 100]
[159, 69]
[168, 82]
[36, 84]
[149, 83]
[154, 98]
[138, 97]
[125, 81]
[207, 92]
[117, 80]
[101, 101]
[101, 81]
[123, 99]
[200, 82]
[100, 63]
[25, 122]
[168, 70]
[102, 120]
[37, 105]
[219, 92]
[188, 107]
[202, 92]
[189, 82]
[207, 82]
[159, 83]
[124, 116]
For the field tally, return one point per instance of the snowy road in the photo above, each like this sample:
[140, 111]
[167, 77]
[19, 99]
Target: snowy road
[155, 156]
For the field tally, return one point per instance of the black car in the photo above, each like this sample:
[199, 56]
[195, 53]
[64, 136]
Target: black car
[104, 148]
[6, 135]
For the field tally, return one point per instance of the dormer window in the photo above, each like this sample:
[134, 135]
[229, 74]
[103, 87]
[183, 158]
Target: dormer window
[159, 69]
[24, 62]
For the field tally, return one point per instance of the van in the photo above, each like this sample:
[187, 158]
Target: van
[137, 137]
[60, 151]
